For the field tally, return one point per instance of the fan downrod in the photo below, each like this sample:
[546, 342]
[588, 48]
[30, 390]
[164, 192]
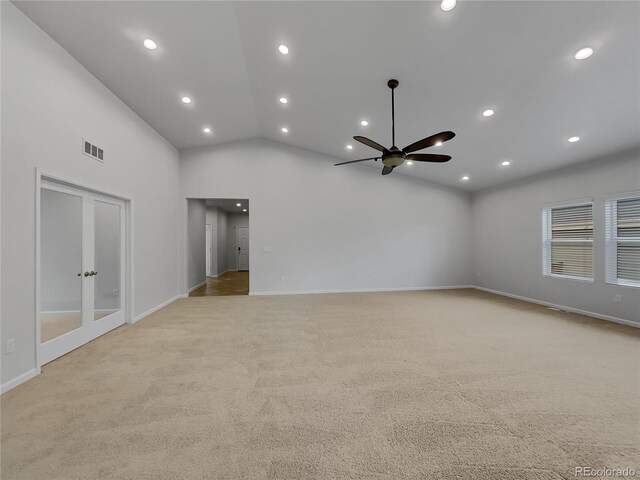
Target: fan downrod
[393, 83]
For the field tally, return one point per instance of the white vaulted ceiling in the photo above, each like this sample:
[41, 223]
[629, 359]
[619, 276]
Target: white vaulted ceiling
[516, 58]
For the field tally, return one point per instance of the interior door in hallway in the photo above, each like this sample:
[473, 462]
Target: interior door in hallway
[242, 235]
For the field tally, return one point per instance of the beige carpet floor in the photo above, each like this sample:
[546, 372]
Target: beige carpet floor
[409, 385]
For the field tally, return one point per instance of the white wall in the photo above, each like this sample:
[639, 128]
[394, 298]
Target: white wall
[235, 220]
[508, 236]
[335, 228]
[212, 219]
[196, 240]
[49, 103]
[222, 243]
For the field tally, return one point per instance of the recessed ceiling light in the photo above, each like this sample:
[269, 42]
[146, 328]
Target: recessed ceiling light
[349, 147]
[364, 123]
[465, 178]
[206, 130]
[506, 163]
[284, 130]
[488, 112]
[574, 139]
[409, 162]
[447, 5]
[244, 209]
[438, 144]
[283, 49]
[186, 100]
[284, 100]
[238, 204]
[584, 53]
[149, 44]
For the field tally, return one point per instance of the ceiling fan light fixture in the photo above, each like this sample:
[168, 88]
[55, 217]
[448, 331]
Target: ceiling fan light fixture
[394, 157]
[447, 5]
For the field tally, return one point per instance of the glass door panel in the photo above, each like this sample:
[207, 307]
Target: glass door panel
[61, 263]
[107, 259]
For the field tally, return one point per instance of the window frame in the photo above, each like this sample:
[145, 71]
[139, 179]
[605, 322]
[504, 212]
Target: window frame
[612, 240]
[548, 241]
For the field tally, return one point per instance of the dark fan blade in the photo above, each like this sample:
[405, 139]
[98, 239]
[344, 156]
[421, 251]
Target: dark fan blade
[429, 141]
[428, 157]
[354, 161]
[387, 170]
[370, 143]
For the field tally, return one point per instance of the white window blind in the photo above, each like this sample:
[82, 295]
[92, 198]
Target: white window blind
[567, 240]
[622, 219]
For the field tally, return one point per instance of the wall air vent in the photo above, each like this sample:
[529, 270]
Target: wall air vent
[92, 150]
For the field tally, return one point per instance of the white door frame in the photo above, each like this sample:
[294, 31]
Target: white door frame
[42, 177]
[208, 242]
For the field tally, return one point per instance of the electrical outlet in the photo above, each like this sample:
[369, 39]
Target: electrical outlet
[618, 298]
[116, 292]
[11, 346]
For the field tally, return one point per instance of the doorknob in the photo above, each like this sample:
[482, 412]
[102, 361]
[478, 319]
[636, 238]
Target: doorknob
[93, 273]
[86, 274]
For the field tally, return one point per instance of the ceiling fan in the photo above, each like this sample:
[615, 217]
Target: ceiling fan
[394, 157]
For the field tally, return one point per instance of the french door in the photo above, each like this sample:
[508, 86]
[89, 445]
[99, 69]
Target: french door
[82, 268]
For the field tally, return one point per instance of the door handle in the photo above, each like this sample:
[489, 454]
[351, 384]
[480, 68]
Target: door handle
[238, 248]
[89, 274]
[93, 273]
[86, 274]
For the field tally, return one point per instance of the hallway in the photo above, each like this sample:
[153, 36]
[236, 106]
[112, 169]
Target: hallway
[229, 283]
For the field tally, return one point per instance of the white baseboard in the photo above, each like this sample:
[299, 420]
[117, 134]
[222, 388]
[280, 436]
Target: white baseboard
[60, 312]
[197, 286]
[5, 387]
[561, 307]
[219, 274]
[361, 290]
[157, 307]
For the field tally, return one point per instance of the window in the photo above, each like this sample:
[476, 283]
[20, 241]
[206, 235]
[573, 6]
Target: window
[622, 220]
[567, 241]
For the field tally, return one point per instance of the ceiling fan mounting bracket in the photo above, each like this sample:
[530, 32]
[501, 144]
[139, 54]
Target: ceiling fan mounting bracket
[393, 83]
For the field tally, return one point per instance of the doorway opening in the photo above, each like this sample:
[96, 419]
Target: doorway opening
[218, 246]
